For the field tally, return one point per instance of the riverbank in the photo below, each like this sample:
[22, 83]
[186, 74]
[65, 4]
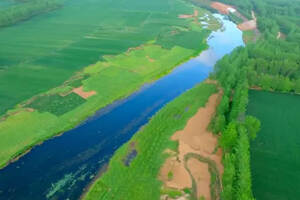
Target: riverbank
[75, 158]
[139, 179]
[196, 165]
[61, 109]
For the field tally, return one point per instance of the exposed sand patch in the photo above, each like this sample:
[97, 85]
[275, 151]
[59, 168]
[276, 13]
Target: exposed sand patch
[247, 25]
[150, 59]
[201, 176]
[82, 93]
[194, 138]
[256, 88]
[134, 48]
[227, 9]
[185, 16]
[222, 8]
[253, 15]
[30, 109]
[211, 81]
[181, 178]
[280, 36]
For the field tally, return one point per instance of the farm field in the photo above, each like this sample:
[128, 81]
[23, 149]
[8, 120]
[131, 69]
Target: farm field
[43, 52]
[139, 178]
[154, 52]
[275, 157]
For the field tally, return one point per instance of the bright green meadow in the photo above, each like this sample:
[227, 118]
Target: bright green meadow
[111, 49]
[41, 53]
[275, 153]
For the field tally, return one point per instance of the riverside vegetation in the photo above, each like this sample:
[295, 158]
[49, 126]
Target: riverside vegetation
[160, 45]
[272, 64]
[139, 179]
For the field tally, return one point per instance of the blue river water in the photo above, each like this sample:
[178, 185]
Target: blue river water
[62, 167]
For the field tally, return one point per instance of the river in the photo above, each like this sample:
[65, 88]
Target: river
[62, 167]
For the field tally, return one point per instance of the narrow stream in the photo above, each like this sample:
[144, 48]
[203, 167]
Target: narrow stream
[62, 167]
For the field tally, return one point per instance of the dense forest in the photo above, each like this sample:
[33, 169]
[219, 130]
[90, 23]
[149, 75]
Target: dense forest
[26, 9]
[237, 129]
[273, 64]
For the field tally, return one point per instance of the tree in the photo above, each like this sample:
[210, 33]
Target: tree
[252, 125]
[228, 177]
[229, 137]
[218, 124]
[243, 182]
[266, 81]
[297, 86]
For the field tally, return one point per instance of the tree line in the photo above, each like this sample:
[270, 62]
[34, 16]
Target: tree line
[272, 63]
[235, 128]
[27, 9]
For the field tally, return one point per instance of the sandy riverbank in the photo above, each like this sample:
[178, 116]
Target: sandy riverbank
[194, 138]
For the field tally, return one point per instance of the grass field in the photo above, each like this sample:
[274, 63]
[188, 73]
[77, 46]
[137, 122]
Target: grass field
[275, 154]
[111, 78]
[139, 180]
[41, 53]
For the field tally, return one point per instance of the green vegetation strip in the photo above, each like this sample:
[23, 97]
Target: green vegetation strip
[215, 184]
[140, 179]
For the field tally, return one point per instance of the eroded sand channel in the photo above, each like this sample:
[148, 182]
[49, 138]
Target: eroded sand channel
[196, 154]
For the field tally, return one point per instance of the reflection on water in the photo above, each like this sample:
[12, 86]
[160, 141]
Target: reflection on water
[62, 167]
[221, 42]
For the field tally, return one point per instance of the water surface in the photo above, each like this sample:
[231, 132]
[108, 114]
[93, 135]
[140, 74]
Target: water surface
[62, 167]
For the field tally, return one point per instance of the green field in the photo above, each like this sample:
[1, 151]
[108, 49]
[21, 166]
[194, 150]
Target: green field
[49, 61]
[275, 154]
[139, 180]
[41, 53]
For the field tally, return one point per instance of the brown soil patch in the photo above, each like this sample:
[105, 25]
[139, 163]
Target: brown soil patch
[181, 178]
[134, 48]
[82, 93]
[256, 88]
[150, 59]
[211, 81]
[194, 138]
[201, 175]
[221, 7]
[185, 16]
[195, 16]
[247, 25]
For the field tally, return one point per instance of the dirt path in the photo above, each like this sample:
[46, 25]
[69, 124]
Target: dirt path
[201, 176]
[194, 139]
[82, 93]
[280, 36]
[246, 25]
[187, 16]
[222, 8]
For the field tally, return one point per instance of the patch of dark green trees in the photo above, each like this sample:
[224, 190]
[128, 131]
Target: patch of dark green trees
[272, 64]
[24, 10]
